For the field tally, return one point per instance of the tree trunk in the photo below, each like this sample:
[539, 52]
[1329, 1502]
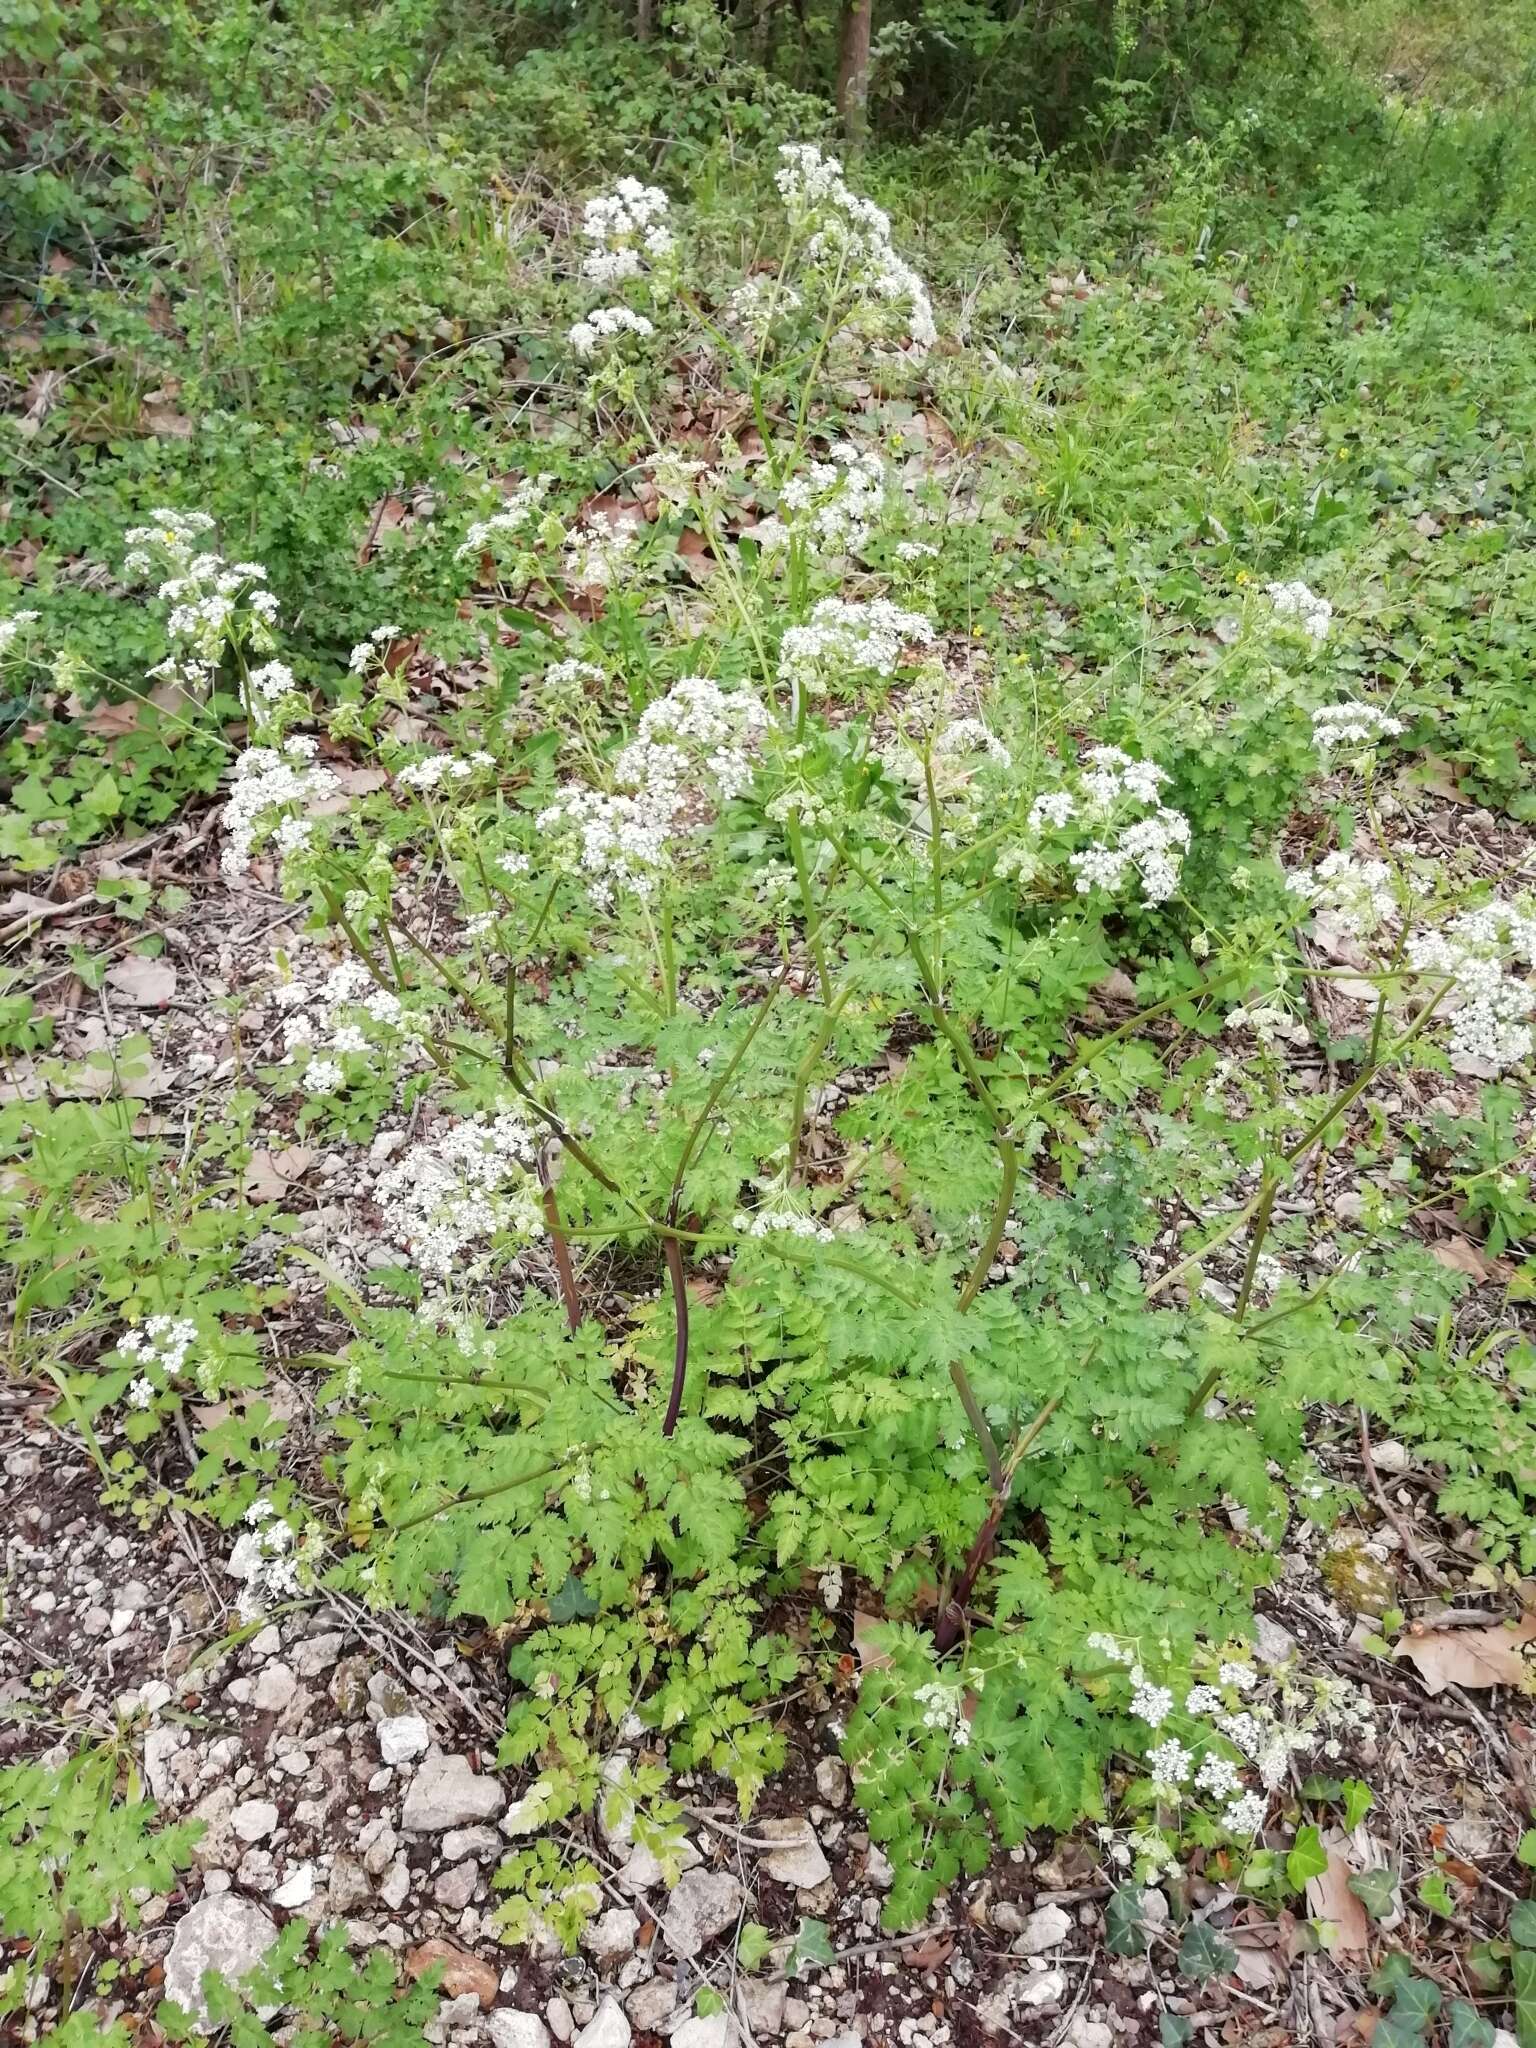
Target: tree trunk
[644, 11]
[853, 69]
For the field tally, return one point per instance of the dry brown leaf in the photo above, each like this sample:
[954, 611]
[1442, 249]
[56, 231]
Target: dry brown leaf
[871, 1656]
[271, 1174]
[1478, 1657]
[111, 721]
[1458, 1256]
[360, 781]
[149, 984]
[1330, 1898]
[386, 516]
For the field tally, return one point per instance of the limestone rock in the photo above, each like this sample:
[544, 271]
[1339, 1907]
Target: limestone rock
[510, 2029]
[704, 1904]
[446, 1793]
[224, 1933]
[800, 1861]
[607, 2028]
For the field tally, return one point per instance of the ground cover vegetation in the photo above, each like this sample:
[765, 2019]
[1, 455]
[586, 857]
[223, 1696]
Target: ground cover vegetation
[890, 797]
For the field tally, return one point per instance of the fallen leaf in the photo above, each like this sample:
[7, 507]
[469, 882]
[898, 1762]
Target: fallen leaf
[1478, 1657]
[149, 984]
[1330, 1898]
[871, 1656]
[111, 721]
[1458, 1256]
[360, 781]
[270, 1174]
[386, 517]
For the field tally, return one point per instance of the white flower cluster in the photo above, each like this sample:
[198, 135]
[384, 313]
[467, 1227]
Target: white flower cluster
[270, 783]
[782, 1212]
[323, 1025]
[595, 552]
[944, 1707]
[1478, 949]
[1265, 1732]
[159, 1347]
[843, 636]
[374, 649]
[474, 1183]
[214, 603]
[1350, 725]
[851, 237]
[436, 768]
[605, 324]
[831, 505]
[514, 518]
[760, 299]
[11, 627]
[1110, 789]
[1300, 606]
[627, 231]
[1359, 894]
[263, 1558]
[693, 749]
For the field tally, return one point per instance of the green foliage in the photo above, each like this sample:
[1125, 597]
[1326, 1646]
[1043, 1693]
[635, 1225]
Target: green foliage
[78, 1839]
[323, 1999]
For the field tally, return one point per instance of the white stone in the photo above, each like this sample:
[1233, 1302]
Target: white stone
[254, 1820]
[607, 2028]
[1086, 2033]
[561, 2023]
[396, 1884]
[611, 1936]
[877, 1868]
[454, 1888]
[1047, 1927]
[832, 1780]
[1391, 1457]
[297, 1888]
[762, 2005]
[506, 2029]
[446, 1793]
[711, 2032]
[274, 1689]
[704, 1904]
[1045, 1987]
[800, 1861]
[225, 1933]
[160, 1746]
[402, 1737]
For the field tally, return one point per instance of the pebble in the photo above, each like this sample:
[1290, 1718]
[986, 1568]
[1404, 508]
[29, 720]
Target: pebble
[402, 1737]
[348, 1887]
[516, 2030]
[703, 1905]
[446, 1793]
[454, 1888]
[562, 2023]
[481, 1843]
[227, 1934]
[1044, 1987]
[607, 2028]
[1047, 1927]
[800, 1861]
[297, 1888]
[611, 1936]
[712, 2031]
[254, 1820]
[274, 1689]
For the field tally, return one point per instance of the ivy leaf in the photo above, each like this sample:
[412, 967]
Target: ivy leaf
[813, 1948]
[1172, 2030]
[573, 1602]
[1307, 1859]
[1522, 1967]
[1416, 2003]
[1394, 2032]
[1376, 1890]
[1358, 1801]
[1203, 1953]
[1125, 1927]
[1468, 2028]
[1526, 1852]
[1486, 1962]
[1522, 1923]
[752, 1944]
[1435, 1893]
